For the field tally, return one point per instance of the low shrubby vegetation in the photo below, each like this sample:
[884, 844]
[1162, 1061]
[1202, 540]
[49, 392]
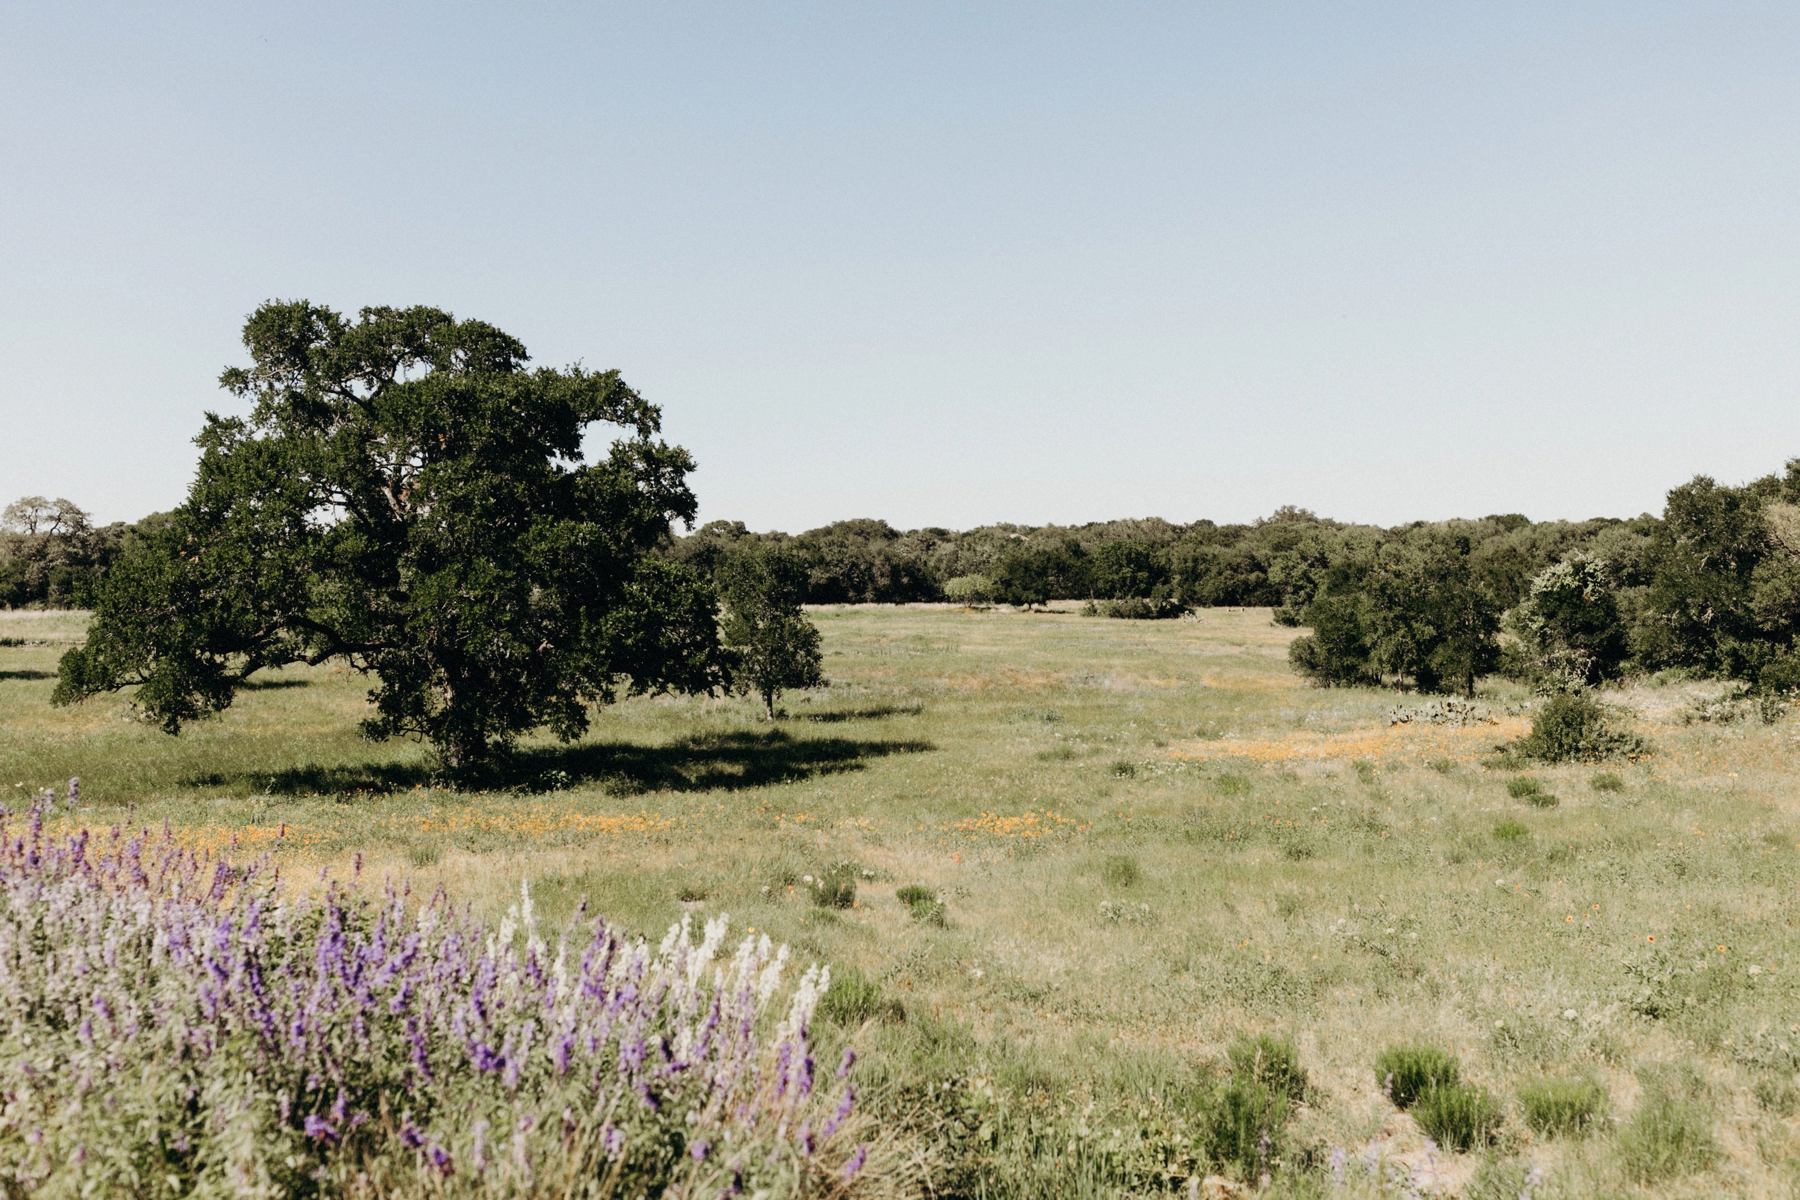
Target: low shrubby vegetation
[174, 1026]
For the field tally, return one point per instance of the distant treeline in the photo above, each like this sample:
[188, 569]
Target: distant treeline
[1281, 561]
[1712, 585]
[52, 555]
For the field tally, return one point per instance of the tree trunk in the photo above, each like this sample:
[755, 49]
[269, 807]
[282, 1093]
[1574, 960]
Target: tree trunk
[769, 703]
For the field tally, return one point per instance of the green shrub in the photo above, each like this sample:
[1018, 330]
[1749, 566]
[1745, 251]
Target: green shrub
[835, 887]
[1123, 769]
[1271, 1061]
[1242, 1124]
[1442, 766]
[1607, 781]
[922, 903]
[1668, 1135]
[1120, 871]
[1575, 727]
[691, 893]
[1457, 1116]
[1408, 1072]
[1510, 831]
[970, 590]
[854, 998]
[1521, 786]
[1365, 770]
[1563, 1107]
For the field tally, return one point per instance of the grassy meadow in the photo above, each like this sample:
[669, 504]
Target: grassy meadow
[1138, 842]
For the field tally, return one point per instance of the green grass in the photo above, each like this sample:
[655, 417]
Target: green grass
[1309, 874]
[1562, 1107]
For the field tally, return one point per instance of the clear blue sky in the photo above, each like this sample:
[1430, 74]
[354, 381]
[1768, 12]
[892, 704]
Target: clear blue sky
[946, 264]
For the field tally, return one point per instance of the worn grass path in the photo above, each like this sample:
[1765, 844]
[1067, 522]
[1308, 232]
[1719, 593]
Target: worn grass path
[1281, 859]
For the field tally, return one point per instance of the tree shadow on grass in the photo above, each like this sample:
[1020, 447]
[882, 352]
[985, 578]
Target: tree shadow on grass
[729, 761]
[27, 673]
[863, 714]
[706, 762]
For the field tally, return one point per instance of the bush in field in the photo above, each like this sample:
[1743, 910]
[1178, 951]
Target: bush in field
[1562, 1106]
[970, 590]
[172, 1025]
[1242, 1124]
[1271, 1061]
[1408, 1072]
[1669, 1134]
[1575, 727]
[1337, 652]
[1457, 1116]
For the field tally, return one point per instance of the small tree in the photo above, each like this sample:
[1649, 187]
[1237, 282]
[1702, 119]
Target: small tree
[1569, 623]
[773, 645]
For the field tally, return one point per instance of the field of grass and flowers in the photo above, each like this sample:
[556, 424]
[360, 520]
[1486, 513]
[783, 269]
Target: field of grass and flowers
[1110, 907]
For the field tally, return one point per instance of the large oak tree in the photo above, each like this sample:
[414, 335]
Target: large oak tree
[408, 497]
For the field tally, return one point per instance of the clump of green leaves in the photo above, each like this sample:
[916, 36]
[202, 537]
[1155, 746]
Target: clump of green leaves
[1607, 781]
[1365, 770]
[1457, 1116]
[1242, 1122]
[1120, 871]
[1510, 831]
[408, 496]
[1408, 1072]
[1232, 785]
[1523, 787]
[773, 645]
[922, 903]
[1123, 769]
[1561, 1106]
[1575, 727]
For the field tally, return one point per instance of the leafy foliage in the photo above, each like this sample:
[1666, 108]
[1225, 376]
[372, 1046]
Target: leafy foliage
[229, 1038]
[408, 498]
[1562, 1107]
[1576, 727]
[1457, 1116]
[774, 647]
[1408, 1072]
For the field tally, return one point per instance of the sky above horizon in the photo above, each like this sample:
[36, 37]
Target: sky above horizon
[945, 264]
